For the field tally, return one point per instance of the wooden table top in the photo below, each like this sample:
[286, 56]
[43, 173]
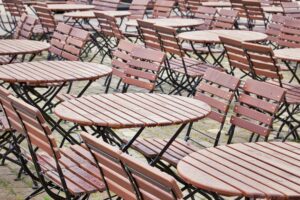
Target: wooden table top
[16, 46]
[220, 4]
[290, 54]
[69, 7]
[212, 36]
[273, 9]
[171, 22]
[91, 14]
[255, 170]
[132, 110]
[52, 72]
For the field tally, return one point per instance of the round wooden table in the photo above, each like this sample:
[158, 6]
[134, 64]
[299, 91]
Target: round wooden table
[129, 110]
[38, 83]
[171, 22]
[287, 55]
[91, 14]
[69, 7]
[217, 4]
[251, 170]
[212, 36]
[17, 47]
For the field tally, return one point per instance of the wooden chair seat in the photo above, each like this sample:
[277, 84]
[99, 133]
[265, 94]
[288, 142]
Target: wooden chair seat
[80, 171]
[194, 67]
[177, 151]
[199, 48]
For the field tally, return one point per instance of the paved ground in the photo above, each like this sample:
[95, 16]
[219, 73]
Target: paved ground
[10, 189]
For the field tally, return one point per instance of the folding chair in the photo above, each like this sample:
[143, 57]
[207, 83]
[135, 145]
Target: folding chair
[255, 110]
[226, 19]
[291, 9]
[255, 15]
[207, 15]
[106, 4]
[127, 177]
[162, 8]
[64, 173]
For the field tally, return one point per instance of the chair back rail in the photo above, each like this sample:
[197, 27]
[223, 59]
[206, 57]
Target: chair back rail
[274, 27]
[138, 9]
[16, 8]
[207, 15]
[148, 34]
[25, 26]
[46, 18]
[238, 6]
[144, 67]
[162, 8]
[105, 5]
[225, 19]
[217, 89]
[290, 34]
[256, 107]
[113, 174]
[255, 13]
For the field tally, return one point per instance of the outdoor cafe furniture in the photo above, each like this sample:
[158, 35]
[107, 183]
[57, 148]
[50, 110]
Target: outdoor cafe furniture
[252, 170]
[211, 37]
[26, 79]
[103, 113]
[217, 4]
[15, 47]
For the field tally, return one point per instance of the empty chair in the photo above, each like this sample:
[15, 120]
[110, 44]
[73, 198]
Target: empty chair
[207, 14]
[137, 9]
[236, 57]
[106, 4]
[291, 9]
[255, 15]
[16, 8]
[290, 34]
[162, 8]
[217, 89]
[64, 168]
[148, 34]
[129, 178]
[225, 19]
[256, 109]
[46, 20]
[274, 28]
[68, 42]
[143, 68]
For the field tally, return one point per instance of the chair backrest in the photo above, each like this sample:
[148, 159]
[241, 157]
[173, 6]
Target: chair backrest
[168, 40]
[35, 128]
[217, 89]
[291, 9]
[262, 62]
[46, 18]
[108, 162]
[109, 26]
[254, 13]
[194, 4]
[225, 19]
[67, 42]
[274, 27]
[25, 26]
[290, 34]
[75, 43]
[239, 6]
[15, 7]
[150, 181]
[144, 68]
[138, 9]
[235, 54]
[163, 8]
[257, 105]
[148, 34]
[121, 57]
[207, 14]
[11, 115]
[106, 4]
